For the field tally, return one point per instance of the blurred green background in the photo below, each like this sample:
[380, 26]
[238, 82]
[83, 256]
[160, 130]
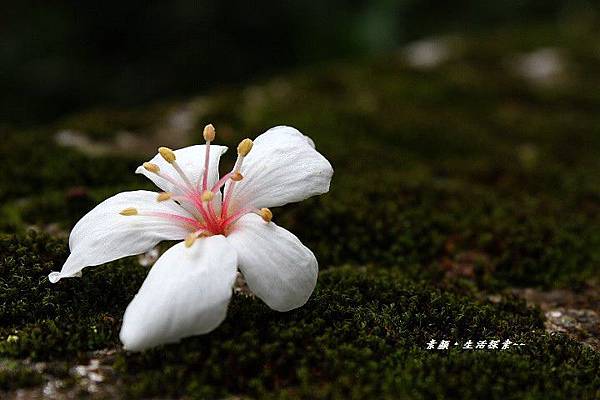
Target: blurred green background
[64, 56]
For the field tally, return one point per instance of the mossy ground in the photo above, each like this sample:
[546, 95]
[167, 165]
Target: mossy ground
[451, 184]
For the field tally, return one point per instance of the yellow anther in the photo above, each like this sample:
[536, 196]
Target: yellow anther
[236, 176]
[167, 154]
[209, 133]
[164, 196]
[129, 211]
[266, 214]
[190, 239]
[207, 195]
[244, 147]
[151, 167]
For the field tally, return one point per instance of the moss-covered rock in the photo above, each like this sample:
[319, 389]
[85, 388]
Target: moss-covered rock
[41, 320]
[363, 333]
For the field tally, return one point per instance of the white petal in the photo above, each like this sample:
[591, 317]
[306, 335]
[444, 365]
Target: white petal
[186, 293]
[104, 235]
[282, 167]
[277, 267]
[191, 161]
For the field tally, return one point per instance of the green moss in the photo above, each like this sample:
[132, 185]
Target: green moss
[363, 335]
[42, 320]
[15, 375]
[33, 165]
[419, 227]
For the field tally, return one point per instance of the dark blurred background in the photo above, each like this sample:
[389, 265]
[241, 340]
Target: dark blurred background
[61, 56]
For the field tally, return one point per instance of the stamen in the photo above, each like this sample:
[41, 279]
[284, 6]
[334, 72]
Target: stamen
[173, 217]
[233, 175]
[235, 216]
[221, 182]
[151, 167]
[266, 214]
[164, 196]
[244, 147]
[209, 133]
[210, 219]
[236, 176]
[129, 211]
[190, 239]
[207, 195]
[182, 175]
[186, 200]
[154, 168]
[209, 136]
[167, 154]
[208, 223]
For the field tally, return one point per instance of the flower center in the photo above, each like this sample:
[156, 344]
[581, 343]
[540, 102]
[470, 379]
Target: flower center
[210, 208]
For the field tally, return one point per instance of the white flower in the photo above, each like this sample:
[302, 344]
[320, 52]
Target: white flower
[188, 289]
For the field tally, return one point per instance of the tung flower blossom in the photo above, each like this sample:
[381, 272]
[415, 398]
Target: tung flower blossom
[224, 224]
